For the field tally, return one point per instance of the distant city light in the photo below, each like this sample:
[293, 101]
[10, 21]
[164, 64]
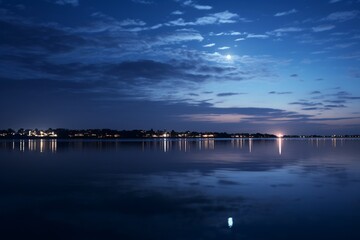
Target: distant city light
[230, 222]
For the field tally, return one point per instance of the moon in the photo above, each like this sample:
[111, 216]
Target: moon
[228, 57]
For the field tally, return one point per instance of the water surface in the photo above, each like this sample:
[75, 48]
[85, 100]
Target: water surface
[180, 189]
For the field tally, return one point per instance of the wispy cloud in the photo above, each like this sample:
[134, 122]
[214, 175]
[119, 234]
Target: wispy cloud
[223, 48]
[279, 93]
[182, 35]
[288, 29]
[197, 6]
[132, 22]
[231, 33]
[209, 45]
[342, 16]
[107, 23]
[177, 12]
[214, 18]
[335, 101]
[202, 7]
[226, 94]
[260, 36]
[294, 75]
[334, 106]
[322, 28]
[280, 14]
[215, 118]
[306, 103]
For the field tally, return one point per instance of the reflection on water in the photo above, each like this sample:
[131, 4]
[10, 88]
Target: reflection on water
[280, 145]
[164, 145]
[180, 189]
[230, 222]
[250, 144]
[40, 145]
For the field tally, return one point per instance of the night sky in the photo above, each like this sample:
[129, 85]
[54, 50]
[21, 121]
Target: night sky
[238, 66]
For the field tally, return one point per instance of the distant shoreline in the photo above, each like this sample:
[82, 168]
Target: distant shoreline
[61, 133]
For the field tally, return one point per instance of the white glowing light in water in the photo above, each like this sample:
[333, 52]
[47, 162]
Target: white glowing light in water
[228, 57]
[230, 222]
[280, 145]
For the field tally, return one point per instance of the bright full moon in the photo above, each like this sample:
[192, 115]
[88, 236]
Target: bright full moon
[228, 57]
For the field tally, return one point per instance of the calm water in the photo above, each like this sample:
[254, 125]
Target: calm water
[181, 189]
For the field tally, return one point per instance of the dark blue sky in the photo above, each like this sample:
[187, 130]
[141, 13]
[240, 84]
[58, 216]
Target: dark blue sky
[239, 66]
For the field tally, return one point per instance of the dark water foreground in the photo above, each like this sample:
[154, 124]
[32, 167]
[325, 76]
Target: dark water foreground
[181, 189]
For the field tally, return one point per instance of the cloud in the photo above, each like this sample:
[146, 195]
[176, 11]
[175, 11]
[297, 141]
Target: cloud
[240, 39]
[215, 18]
[260, 36]
[215, 118]
[220, 17]
[335, 106]
[288, 29]
[306, 103]
[342, 16]
[224, 48]
[215, 69]
[341, 97]
[231, 33]
[245, 115]
[74, 3]
[107, 23]
[334, 1]
[280, 93]
[132, 22]
[197, 6]
[202, 7]
[209, 45]
[280, 14]
[311, 109]
[226, 94]
[344, 95]
[335, 101]
[294, 75]
[177, 12]
[182, 35]
[322, 28]
[351, 98]
[62, 52]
